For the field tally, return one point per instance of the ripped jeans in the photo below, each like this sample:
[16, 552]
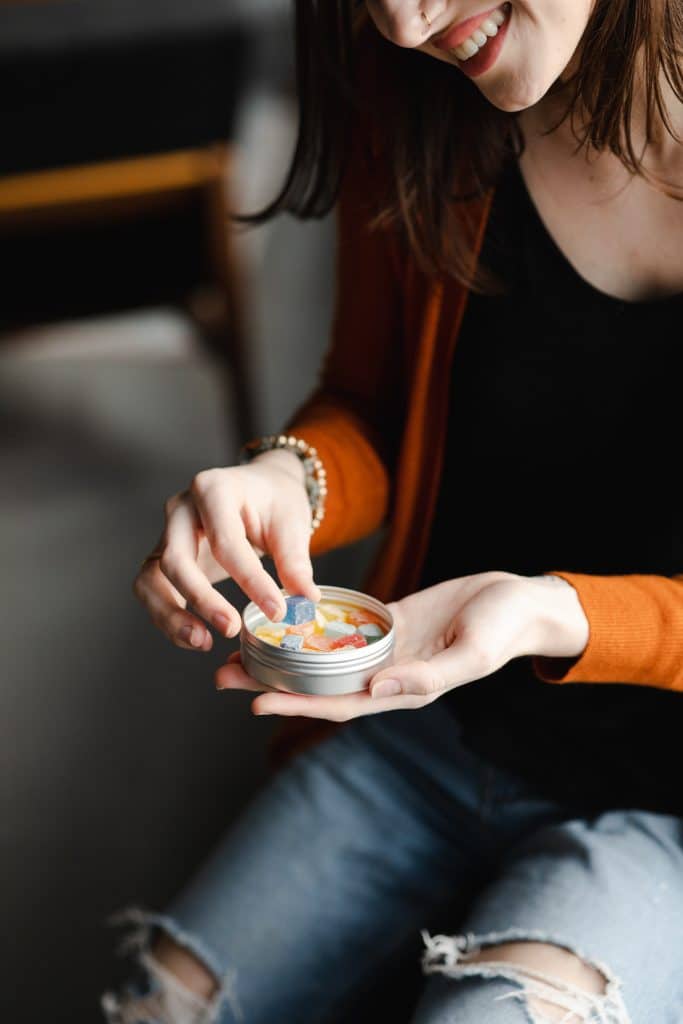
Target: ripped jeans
[383, 832]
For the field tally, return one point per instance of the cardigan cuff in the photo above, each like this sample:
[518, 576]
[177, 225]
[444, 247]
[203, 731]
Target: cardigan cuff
[635, 632]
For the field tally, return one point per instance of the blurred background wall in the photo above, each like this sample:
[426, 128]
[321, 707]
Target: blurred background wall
[140, 341]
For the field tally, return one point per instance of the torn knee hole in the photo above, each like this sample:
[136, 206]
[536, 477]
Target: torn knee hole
[179, 980]
[555, 982]
[166, 1000]
[185, 966]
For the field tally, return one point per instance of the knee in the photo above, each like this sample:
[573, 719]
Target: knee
[549, 981]
[560, 979]
[176, 988]
[187, 968]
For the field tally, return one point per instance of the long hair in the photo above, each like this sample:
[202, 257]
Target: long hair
[442, 142]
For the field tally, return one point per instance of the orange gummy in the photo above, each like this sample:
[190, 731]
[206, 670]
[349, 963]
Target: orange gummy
[303, 629]
[319, 643]
[363, 618]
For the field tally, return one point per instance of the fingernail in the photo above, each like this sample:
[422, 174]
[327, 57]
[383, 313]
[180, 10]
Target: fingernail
[193, 635]
[386, 688]
[221, 622]
[273, 610]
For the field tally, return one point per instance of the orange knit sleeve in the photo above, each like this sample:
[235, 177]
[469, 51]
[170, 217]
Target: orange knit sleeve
[635, 632]
[353, 417]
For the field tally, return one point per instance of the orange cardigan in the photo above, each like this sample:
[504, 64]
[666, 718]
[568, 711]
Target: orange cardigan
[378, 419]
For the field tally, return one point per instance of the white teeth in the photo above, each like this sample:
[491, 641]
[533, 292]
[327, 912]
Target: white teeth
[489, 27]
[487, 30]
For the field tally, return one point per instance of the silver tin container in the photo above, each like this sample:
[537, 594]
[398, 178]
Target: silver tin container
[317, 672]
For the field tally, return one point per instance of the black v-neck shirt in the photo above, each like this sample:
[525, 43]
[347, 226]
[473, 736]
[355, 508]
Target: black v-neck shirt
[562, 454]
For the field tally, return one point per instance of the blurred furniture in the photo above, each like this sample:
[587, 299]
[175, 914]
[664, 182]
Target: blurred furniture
[117, 120]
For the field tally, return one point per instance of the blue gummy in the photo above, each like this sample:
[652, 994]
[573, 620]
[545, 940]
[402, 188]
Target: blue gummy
[292, 642]
[299, 610]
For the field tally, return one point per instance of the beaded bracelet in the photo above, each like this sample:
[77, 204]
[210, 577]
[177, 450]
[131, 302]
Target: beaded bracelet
[315, 476]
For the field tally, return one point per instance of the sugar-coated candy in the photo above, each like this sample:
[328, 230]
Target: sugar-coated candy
[319, 643]
[292, 642]
[271, 631]
[322, 627]
[299, 609]
[363, 618]
[338, 628]
[305, 629]
[349, 641]
[331, 612]
[371, 631]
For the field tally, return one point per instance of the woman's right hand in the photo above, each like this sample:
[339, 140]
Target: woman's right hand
[217, 529]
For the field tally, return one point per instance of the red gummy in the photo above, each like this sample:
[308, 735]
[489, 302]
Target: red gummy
[355, 640]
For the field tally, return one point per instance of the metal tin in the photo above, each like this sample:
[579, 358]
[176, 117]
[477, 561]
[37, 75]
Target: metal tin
[312, 671]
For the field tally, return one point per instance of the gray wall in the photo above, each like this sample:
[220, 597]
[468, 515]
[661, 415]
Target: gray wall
[120, 765]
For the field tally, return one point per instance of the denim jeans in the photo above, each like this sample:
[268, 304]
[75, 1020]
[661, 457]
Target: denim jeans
[382, 832]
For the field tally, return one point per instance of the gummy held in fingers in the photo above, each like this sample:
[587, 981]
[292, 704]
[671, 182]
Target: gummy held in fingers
[299, 609]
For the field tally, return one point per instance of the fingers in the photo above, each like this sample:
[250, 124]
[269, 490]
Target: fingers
[232, 676]
[166, 610]
[227, 536]
[178, 564]
[461, 663]
[289, 541]
[333, 709]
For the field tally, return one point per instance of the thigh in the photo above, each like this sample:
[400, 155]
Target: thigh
[348, 851]
[609, 889]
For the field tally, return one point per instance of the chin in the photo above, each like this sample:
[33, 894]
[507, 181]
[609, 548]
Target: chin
[516, 95]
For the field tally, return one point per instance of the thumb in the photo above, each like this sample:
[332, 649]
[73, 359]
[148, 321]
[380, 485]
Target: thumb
[289, 544]
[457, 664]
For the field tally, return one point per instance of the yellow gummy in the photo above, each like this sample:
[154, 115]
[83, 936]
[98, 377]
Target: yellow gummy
[272, 634]
[331, 612]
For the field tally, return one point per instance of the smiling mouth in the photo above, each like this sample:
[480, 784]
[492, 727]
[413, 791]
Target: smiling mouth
[487, 29]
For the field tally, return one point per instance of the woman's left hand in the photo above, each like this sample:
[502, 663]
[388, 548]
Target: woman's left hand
[447, 635]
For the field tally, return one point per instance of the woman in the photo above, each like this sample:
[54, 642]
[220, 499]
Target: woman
[514, 183]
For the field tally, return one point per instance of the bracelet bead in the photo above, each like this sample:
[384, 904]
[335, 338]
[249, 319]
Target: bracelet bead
[315, 478]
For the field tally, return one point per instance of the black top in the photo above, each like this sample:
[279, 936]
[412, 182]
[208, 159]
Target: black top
[560, 455]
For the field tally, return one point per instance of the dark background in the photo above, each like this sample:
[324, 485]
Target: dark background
[119, 764]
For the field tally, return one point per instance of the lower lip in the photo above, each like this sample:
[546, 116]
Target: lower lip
[488, 55]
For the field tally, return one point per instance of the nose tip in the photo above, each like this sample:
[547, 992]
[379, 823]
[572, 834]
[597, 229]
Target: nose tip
[407, 30]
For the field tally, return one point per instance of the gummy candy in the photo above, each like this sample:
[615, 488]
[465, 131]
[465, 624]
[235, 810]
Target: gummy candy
[299, 609]
[349, 641]
[371, 631]
[363, 618]
[305, 629]
[331, 612]
[292, 642]
[270, 632]
[338, 628]
[319, 643]
[329, 627]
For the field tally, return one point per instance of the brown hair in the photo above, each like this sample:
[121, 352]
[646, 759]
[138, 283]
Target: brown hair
[435, 128]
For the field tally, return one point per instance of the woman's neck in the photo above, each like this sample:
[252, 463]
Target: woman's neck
[661, 154]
